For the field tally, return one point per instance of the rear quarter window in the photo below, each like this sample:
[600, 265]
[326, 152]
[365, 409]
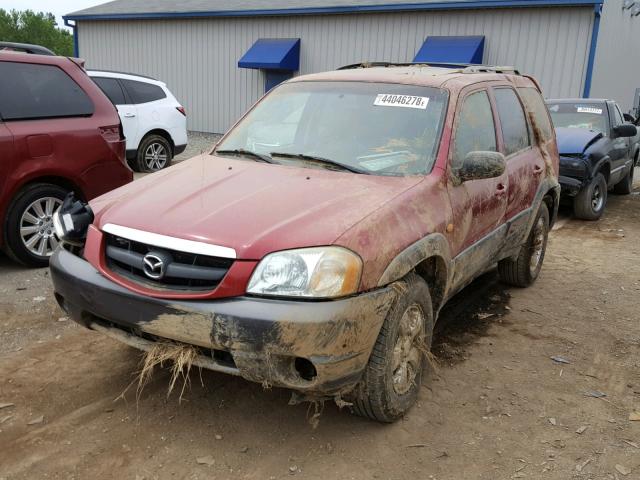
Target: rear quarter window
[534, 103]
[141, 92]
[32, 91]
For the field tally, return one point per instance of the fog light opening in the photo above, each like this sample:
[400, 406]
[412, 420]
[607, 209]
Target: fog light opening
[305, 369]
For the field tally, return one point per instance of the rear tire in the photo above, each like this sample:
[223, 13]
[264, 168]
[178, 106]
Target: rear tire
[590, 202]
[154, 154]
[392, 378]
[625, 186]
[524, 270]
[29, 235]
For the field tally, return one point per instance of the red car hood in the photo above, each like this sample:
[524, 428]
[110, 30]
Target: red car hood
[252, 207]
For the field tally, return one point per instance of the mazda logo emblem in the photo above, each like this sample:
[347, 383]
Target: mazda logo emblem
[154, 266]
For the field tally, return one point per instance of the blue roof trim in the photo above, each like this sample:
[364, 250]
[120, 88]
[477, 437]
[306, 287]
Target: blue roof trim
[273, 54]
[451, 49]
[461, 4]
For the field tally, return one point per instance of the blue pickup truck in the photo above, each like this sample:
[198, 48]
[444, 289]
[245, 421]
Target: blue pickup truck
[598, 149]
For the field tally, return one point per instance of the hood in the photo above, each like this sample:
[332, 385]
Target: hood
[255, 208]
[574, 141]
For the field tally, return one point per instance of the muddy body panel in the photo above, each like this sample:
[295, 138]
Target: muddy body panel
[261, 340]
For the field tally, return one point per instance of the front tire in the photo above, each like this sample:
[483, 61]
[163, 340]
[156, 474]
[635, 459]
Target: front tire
[392, 378]
[625, 186]
[590, 202]
[29, 235]
[523, 271]
[154, 154]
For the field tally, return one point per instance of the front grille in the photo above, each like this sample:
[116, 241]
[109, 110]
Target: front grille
[184, 271]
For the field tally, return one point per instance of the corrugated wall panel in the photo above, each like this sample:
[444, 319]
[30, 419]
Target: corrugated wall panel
[617, 64]
[198, 58]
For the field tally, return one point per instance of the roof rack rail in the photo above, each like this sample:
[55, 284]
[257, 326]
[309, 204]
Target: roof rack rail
[490, 69]
[464, 67]
[121, 73]
[25, 48]
[403, 64]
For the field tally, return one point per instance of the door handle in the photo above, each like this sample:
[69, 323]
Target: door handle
[129, 115]
[501, 189]
[537, 169]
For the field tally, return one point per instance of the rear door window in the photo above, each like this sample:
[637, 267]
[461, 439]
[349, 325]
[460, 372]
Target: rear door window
[512, 121]
[111, 88]
[32, 91]
[141, 92]
[475, 130]
[534, 103]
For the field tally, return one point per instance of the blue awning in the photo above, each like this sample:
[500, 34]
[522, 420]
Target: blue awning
[273, 54]
[451, 50]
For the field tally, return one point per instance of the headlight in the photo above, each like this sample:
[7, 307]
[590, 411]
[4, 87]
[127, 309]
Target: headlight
[72, 220]
[320, 272]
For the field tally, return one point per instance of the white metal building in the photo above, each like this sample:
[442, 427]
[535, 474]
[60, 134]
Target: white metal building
[218, 56]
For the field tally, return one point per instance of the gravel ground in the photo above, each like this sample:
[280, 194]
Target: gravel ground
[497, 407]
[199, 142]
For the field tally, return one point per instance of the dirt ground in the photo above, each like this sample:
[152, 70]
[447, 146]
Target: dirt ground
[498, 407]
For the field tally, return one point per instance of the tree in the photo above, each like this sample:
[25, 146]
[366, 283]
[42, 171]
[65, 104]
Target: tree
[38, 28]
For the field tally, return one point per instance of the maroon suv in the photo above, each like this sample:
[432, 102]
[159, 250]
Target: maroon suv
[58, 133]
[315, 245]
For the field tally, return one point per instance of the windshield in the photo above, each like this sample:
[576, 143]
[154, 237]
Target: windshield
[374, 128]
[592, 116]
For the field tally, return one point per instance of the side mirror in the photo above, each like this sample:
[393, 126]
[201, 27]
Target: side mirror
[628, 118]
[625, 130]
[480, 165]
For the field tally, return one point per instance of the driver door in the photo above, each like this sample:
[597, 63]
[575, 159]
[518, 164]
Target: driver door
[479, 206]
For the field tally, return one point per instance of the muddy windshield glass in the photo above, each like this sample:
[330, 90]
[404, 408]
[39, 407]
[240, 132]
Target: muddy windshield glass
[374, 128]
[592, 116]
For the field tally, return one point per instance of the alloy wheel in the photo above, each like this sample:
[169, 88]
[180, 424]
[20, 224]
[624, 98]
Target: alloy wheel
[155, 157]
[407, 352]
[537, 244]
[36, 226]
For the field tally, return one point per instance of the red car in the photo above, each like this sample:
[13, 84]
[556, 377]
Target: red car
[58, 133]
[315, 245]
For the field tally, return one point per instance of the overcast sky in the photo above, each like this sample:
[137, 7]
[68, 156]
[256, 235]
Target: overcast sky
[57, 7]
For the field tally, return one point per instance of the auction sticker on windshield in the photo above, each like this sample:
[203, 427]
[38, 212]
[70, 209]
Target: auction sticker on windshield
[407, 101]
[597, 111]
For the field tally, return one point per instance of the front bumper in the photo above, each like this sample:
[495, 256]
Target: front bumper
[570, 186]
[269, 341]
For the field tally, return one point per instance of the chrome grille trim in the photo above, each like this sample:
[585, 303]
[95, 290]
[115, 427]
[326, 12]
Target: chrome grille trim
[172, 243]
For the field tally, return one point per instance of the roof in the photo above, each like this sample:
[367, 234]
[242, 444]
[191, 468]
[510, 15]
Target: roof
[422, 75]
[150, 9]
[125, 75]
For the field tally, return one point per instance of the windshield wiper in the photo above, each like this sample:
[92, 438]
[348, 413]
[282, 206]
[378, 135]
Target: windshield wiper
[325, 161]
[247, 153]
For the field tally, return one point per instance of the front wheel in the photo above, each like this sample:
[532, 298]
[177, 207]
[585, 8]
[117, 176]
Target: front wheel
[30, 237]
[590, 202]
[154, 154]
[392, 378]
[523, 270]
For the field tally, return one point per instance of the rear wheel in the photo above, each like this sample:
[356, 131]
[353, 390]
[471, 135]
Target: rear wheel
[590, 202]
[30, 237]
[154, 154]
[523, 271]
[625, 186]
[392, 378]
